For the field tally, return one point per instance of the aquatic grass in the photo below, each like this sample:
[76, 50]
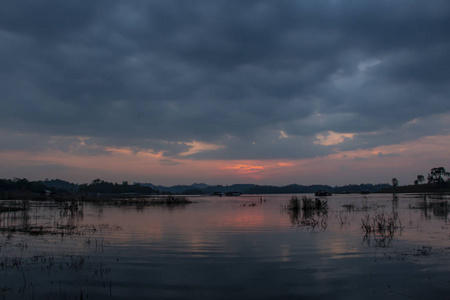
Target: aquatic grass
[294, 204]
[137, 201]
[14, 206]
[366, 224]
[316, 204]
[379, 223]
[381, 226]
[343, 220]
[363, 206]
[306, 204]
[170, 201]
[349, 207]
[307, 213]
[319, 222]
[65, 225]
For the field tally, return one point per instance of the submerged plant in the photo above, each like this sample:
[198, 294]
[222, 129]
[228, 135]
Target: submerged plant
[13, 206]
[381, 226]
[294, 203]
[316, 204]
[307, 213]
[159, 201]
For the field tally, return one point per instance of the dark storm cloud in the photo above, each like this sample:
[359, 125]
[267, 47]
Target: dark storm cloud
[35, 143]
[159, 74]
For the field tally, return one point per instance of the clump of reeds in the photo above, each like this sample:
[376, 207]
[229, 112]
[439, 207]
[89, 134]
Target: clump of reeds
[249, 204]
[307, 213]
[310, 220]
[425, 251]
[379, 223]
[170, 200]
[306, 204]
[294, 204]
[73, 207]
[316, 204]
[382, 226]
[13, 206]
[349, 207]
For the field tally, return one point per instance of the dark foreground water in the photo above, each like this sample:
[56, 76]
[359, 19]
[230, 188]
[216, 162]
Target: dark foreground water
[229, 248]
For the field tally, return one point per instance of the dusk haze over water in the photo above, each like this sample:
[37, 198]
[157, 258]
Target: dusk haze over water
[221, 92]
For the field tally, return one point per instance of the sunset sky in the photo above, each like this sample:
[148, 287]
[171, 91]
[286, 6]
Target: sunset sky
[222, 92]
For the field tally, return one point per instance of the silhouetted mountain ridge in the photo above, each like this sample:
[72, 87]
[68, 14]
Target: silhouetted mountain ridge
[265, 189]
[100, 186]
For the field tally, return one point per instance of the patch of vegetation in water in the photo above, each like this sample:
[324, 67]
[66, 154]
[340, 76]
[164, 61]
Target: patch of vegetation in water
[381, 228]
[306, 203]
[14, 206]
[307, 213]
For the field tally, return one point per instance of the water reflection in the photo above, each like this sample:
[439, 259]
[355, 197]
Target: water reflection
[395, 206]
[221, 249]
[309, 219]
[308, 213]
[435, 204]
[381, 228]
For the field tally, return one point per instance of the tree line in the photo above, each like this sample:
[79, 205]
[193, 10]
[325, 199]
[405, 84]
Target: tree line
[21, 185]
[61, 186]
[100, 186]
[436, 176]
[58, 186]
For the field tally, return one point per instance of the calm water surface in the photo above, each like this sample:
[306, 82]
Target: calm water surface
[228, 248]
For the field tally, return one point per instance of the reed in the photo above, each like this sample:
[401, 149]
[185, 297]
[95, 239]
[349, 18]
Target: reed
[294, 203]
[380, 223]
[316, 204]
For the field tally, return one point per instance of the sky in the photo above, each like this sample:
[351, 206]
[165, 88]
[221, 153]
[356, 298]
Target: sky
[223, 91]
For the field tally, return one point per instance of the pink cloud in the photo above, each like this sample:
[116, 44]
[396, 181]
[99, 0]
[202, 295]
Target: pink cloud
[404, 161]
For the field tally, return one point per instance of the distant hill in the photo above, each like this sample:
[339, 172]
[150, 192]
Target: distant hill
[200, 185]
[59, 184]
[202, 188]
[307, 189]
[100, 186]
[198, 189]
[176, 189]
[240, 188]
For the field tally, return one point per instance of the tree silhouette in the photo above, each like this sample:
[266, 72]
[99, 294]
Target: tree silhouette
[394, 182]
[420, 178]
[436, 175]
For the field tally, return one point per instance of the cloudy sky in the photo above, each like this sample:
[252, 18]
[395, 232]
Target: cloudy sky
[267, 92]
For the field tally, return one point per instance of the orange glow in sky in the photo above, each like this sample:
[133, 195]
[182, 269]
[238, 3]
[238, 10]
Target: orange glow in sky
[404, 161]
[245, 168]
[198, 105]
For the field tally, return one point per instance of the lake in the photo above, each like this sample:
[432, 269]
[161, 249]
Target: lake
[244, 247]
